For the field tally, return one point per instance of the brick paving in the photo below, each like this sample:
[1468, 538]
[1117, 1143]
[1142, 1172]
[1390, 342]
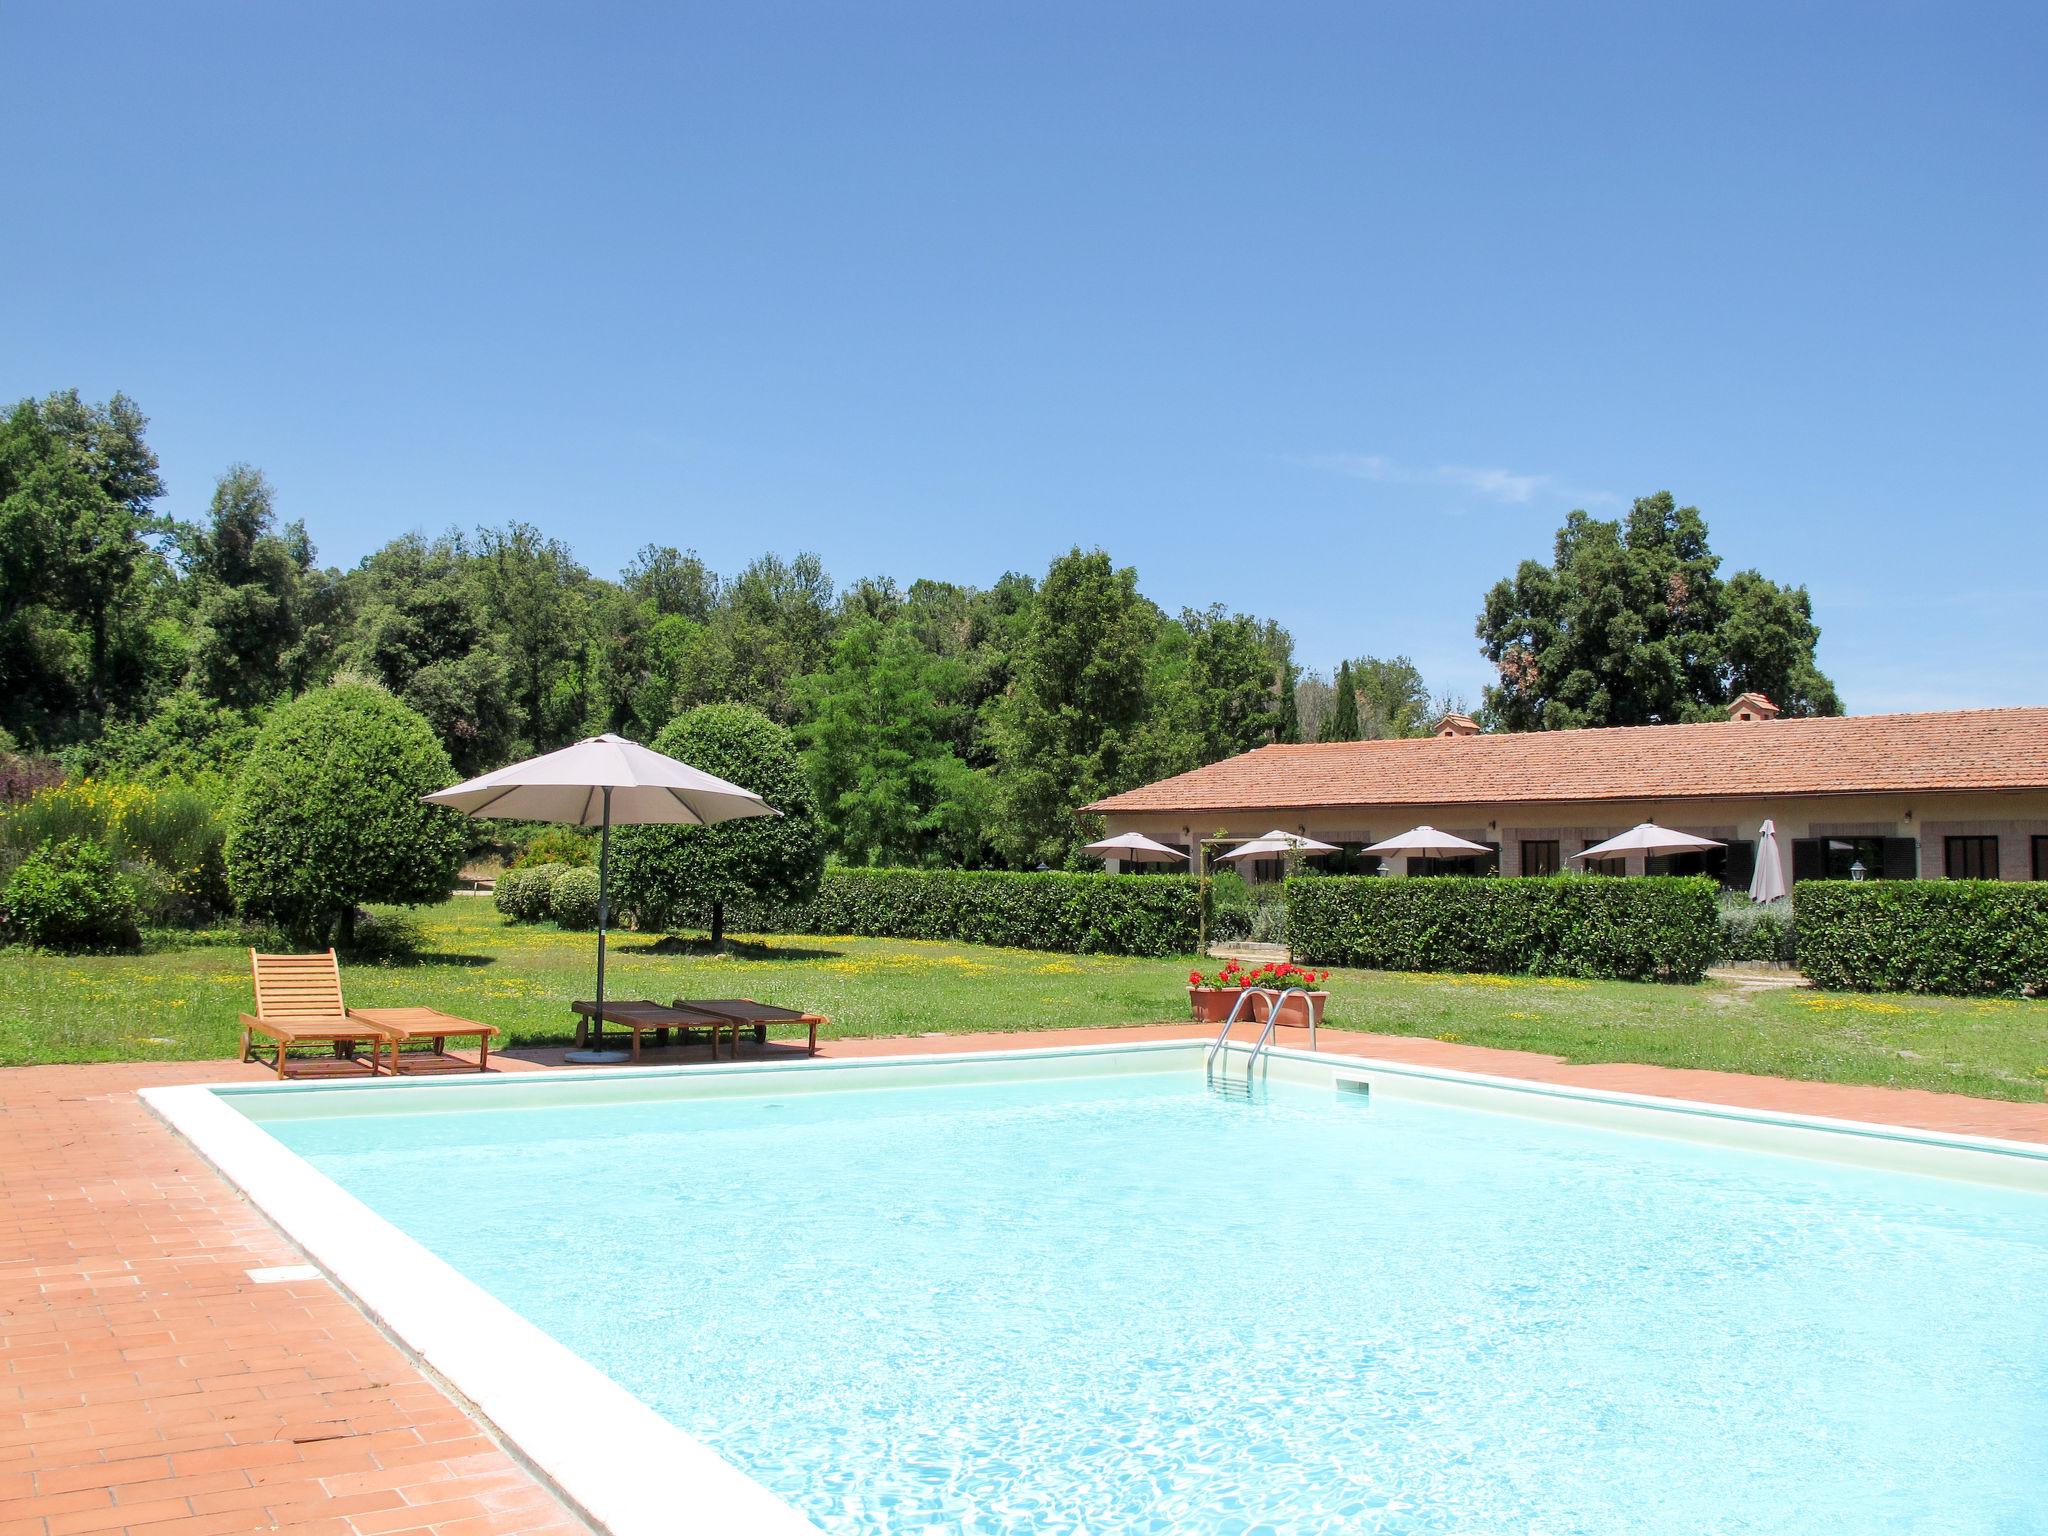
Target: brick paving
[147, 1384]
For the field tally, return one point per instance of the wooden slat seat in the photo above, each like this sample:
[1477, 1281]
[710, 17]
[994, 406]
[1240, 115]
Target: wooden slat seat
[298, 1002]
[746, 1013]
[641, 1016]
[405, 1025]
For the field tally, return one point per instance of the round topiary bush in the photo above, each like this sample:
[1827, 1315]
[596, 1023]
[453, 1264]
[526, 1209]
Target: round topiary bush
[327, 813]
[505, 894]
[573, 898]
[71, 896]
[533, 896]
[669, 875]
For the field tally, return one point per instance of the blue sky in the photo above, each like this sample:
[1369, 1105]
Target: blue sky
[1329, 312]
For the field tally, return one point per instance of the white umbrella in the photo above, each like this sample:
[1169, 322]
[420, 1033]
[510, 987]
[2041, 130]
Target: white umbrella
[1135, 848]
[1768, 883]
[1277, 842]
[1648, 837]
[593, 784]
[1429, 843]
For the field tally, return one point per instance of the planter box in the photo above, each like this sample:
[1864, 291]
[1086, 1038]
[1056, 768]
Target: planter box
[1212, 1005]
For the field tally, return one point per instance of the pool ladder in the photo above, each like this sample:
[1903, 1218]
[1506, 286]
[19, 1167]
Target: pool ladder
[1220, 1080]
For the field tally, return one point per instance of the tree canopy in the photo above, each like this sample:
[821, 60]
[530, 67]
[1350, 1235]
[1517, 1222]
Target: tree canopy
[1631, 624]
[936, 723]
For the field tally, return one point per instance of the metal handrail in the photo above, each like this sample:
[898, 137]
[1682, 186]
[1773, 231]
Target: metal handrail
[1275, 1001]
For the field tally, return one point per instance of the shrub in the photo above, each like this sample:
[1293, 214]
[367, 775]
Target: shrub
[572, 896]
[1659, 928]
[387, 936]
[1077, 913]
[532, 892]
[71, 896]
[505, 894]
[327, 813]
[672, 875]
[558, 845]
[1959, 937]
[1753, 933]
[169, 837]
[1231, 907]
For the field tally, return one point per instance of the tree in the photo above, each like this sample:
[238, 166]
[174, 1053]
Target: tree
[78, 576]
[1341, 723]
[327, 813]
[670, 874]
[888, 785]
[1065, 732]
[1392, 699]
[535, 600]
[420, 630]
[1631, 624]
[673, 582]
[252, 585]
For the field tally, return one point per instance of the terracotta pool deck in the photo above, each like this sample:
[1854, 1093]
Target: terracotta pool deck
[150, 1383]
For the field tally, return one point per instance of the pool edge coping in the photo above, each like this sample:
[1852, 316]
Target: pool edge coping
[610, 1457]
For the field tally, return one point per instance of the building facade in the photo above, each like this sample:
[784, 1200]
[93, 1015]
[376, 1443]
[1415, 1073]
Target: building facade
[1945, 795]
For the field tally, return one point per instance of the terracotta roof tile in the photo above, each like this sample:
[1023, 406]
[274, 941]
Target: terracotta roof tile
[1963, 749]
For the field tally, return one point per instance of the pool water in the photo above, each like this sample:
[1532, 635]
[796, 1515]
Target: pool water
[1124, 1303]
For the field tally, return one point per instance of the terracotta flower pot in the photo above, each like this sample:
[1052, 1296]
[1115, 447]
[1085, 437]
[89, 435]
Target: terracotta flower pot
[1212, 1005]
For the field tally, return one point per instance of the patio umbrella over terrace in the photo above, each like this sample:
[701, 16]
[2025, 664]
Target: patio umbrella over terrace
[1135, 848]
[1648, 837]
[597, 782]
[1429, 843]
[1277, 842]
[1768, 883]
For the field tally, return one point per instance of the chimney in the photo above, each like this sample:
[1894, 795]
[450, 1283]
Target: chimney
[1752, 706]
[1457, 725]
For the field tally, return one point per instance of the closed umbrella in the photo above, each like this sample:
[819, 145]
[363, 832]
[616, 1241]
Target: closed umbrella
[1135, 848]
[1768, 883]
[1648, 837]
[597, 782]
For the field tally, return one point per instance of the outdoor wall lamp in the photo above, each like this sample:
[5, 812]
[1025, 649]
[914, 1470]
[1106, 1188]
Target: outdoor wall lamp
[1857, 871]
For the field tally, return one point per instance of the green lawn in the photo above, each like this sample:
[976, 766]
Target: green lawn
[182, 1004]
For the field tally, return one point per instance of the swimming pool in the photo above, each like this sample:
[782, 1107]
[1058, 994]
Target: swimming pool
[1085, 1292]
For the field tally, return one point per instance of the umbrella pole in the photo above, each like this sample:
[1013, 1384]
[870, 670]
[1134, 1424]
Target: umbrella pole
[597, 1052]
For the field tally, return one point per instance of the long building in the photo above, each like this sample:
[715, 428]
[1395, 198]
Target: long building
[1951, 794]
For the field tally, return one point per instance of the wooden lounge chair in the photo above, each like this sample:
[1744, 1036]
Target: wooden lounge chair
[746, 1013]
[641, 1016]
[298, 1002]
[405, 1025]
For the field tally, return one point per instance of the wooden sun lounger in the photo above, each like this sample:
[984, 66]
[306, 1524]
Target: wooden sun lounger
[641, 1016]
[745, 1012]
[298, 1002]
[404, 1025]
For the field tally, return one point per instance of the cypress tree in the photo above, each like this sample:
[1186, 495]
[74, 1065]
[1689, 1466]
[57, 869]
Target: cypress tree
[1341, 723]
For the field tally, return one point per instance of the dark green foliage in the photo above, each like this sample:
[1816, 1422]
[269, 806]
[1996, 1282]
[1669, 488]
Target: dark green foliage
[1631, 625]
[1753, 933]
[672, 876]
[1080, 914]
[253, 590]
[572, 898]
[1652, 929]
[1957, 937]
[166, 838]
[72, 897]
[327, 813]
[1341, 723]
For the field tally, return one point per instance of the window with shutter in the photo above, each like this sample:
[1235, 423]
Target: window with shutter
[1971, 858]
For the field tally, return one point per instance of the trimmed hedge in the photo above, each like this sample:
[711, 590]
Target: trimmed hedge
[1654, 928]
[1078, 914]
[1959, 937]
[572, 897]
